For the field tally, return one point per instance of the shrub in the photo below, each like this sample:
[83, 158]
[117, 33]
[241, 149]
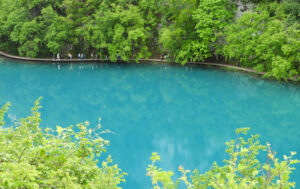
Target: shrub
[32, 157]
[242, 170]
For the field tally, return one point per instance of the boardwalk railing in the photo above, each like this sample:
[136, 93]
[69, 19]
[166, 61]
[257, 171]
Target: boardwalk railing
[141, 60]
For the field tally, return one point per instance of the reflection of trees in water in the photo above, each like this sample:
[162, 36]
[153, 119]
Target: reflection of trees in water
[175, 151]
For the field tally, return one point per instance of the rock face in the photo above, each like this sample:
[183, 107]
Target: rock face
[242, 8]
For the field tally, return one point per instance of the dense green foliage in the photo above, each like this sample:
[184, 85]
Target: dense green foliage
[241, 170]
[260, 34]
[32, 157]
[266, 41]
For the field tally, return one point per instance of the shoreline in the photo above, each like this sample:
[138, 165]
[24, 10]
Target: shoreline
[145, 61]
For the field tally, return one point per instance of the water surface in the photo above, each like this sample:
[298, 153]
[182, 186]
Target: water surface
[186, 114]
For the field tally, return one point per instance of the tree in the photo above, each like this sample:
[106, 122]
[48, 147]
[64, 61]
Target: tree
[264, 40]
[58, 36]
[242, 170]
[177, 32]
[211, 18]
[32, 157]
[118, 31]
[150, 11]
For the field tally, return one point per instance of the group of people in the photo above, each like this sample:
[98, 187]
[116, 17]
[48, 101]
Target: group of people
[80, 56]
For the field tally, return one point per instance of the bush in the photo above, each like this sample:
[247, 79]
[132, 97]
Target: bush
[63, 158]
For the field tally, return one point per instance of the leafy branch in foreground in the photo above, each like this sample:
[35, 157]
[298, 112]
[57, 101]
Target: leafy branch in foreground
[241, 170]
[31, 157]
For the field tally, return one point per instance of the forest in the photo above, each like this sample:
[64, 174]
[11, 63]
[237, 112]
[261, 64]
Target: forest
[259, 34]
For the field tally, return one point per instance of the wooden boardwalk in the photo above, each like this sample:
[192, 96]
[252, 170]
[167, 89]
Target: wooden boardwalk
[47, 60]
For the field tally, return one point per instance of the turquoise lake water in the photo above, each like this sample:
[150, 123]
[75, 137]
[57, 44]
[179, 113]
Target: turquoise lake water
[186, 114]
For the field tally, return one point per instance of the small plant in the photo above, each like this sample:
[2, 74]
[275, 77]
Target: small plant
[241, 170]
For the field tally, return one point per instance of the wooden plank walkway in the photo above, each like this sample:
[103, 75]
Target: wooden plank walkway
[45, 60]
